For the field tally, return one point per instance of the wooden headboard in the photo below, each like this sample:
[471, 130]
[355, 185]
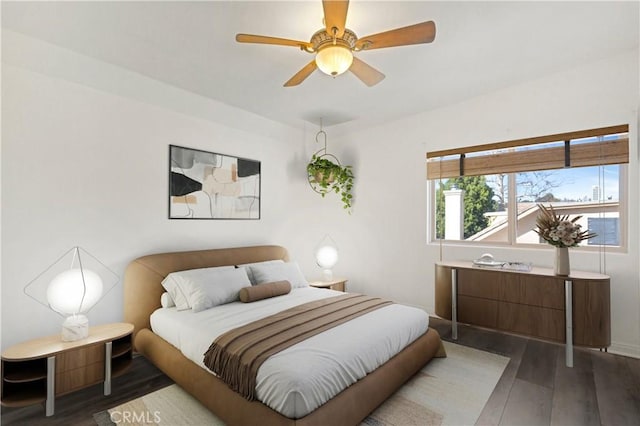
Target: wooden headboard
[143, 276]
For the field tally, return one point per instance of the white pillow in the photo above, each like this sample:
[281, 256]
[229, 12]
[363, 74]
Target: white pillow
[285, 271]
[222, 288]
[181, 284]
[247, 266]
[166, 301]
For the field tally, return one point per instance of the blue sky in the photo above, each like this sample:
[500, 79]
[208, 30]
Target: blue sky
[578, 182]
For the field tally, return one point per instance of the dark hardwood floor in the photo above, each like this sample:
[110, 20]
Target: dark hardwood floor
[535, 389]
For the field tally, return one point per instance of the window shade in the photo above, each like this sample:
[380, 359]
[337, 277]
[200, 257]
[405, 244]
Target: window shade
[593, 147]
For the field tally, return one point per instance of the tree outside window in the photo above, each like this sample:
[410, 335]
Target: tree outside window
[479, 198]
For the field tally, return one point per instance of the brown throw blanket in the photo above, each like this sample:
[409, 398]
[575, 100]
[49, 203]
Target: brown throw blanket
[236, 355]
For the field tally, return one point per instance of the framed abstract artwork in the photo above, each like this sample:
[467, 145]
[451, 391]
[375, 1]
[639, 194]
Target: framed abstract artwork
[208, 185]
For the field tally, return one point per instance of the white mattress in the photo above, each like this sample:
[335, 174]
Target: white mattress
[299, 379]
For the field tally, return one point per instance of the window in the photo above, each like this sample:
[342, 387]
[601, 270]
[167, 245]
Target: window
[579, 173]
[469, 208]
[607, 228]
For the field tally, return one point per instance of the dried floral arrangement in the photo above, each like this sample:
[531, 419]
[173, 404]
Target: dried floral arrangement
[558, 230]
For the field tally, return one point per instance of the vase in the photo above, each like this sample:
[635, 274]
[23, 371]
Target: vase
[561, 265]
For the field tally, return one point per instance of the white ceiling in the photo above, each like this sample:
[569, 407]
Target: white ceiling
[479, 47]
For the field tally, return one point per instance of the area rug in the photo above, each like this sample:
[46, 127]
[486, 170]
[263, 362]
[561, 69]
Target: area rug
[447, 391]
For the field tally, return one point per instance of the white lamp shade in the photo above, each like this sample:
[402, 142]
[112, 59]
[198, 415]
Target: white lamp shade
[334, 60]
[70, 294]
[327, 257]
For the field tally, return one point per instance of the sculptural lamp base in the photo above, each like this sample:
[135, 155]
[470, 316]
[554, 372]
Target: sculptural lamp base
[561, 265]
[327, 274]
[74, 328]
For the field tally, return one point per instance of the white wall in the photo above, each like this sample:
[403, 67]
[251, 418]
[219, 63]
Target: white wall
[383, 244]
[85, 162]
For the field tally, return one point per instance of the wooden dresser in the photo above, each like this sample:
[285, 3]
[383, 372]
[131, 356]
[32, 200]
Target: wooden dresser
[574, 309]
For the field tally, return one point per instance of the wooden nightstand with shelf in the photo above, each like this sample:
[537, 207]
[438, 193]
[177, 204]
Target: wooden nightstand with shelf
[41, 369]
[338, 284]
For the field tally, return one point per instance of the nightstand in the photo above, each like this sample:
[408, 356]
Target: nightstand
[41, 369]
[338, 284]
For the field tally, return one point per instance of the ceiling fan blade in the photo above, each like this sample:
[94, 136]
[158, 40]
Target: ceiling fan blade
[365, 72]
[250, 38]
[424, 32]
[302, 74]
[335, 15]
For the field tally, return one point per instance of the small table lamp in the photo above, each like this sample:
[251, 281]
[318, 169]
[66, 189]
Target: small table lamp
[327, 257]
[71, 286]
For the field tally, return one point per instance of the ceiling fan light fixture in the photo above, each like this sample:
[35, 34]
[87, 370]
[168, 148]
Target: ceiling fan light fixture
[334, 60]
[334, 45]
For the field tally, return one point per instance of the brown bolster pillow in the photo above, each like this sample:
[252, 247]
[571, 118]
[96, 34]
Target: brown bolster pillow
[264, 291]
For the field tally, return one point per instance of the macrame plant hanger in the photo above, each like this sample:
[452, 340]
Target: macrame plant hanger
[321, 153]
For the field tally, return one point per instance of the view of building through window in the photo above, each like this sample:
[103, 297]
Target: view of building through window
[476, 208]
[490, 193]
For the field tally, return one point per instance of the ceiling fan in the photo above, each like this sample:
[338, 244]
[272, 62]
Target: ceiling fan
[334, 45]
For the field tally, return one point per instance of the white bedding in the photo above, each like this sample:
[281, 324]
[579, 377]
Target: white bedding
[299, 379]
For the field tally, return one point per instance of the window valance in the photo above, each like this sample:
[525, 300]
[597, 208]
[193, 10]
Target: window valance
[593, 147]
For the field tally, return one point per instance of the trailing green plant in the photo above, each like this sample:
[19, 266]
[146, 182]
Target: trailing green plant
[326, 176]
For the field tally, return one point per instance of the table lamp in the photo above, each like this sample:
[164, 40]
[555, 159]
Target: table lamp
[71, 286]
[327, 257]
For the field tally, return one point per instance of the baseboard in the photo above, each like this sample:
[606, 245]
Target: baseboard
[632, 351]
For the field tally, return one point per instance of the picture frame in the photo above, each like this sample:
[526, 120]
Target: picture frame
[210, 185]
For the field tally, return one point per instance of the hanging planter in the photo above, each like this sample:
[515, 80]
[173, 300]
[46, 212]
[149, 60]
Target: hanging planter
[325, 174]
[323, 171]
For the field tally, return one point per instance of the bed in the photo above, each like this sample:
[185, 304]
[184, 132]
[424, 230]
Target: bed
[142, 292]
